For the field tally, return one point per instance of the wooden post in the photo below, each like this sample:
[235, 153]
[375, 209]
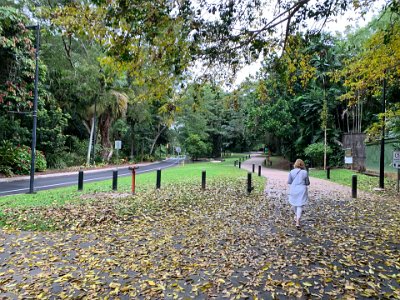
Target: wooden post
[133, 169]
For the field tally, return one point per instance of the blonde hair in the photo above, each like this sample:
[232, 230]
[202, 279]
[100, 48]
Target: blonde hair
[299, 163]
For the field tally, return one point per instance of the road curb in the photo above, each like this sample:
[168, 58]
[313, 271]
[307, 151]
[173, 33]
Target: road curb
[19, 178]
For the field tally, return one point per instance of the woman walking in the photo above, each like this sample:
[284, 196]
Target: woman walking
[298, 193]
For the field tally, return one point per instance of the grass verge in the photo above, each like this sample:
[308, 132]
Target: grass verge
[364, 182]
[48, 209]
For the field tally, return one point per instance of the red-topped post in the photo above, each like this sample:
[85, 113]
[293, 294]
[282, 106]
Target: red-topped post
[133, 169]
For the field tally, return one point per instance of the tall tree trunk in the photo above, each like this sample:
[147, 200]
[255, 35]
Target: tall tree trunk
[325, 124]
[325, 147]
[361, 114]
[104, 128]
[90, 142]
[156, 138]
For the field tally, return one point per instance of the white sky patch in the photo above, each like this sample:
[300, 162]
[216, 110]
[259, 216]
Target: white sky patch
[340, 24]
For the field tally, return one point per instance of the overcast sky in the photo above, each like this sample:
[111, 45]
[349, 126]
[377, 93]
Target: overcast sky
[349, 19]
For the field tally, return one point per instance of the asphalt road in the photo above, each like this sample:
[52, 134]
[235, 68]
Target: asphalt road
[55, 181]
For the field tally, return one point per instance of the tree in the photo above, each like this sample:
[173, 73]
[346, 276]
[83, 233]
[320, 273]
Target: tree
[113, 106]
[195, 147]
[235, 32]
[17, 85]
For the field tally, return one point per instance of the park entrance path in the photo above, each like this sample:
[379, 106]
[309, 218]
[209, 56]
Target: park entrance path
[215, 244]
[277, 181]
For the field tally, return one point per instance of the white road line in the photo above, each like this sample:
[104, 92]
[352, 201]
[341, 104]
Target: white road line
[10, 191]
[87, 180]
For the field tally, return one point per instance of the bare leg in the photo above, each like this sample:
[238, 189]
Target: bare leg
[299, 210]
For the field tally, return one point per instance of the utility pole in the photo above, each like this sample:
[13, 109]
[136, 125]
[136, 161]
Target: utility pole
[94, 131]
[382, 157]
[34, 114]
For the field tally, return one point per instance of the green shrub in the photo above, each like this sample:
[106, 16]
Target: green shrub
[337, 157]
[21, 163]
[40, 162]
[62, 160]
[315, 152]
[56, 161]
[196, 147]
[6, 170]
[144, 157]
[17, 160]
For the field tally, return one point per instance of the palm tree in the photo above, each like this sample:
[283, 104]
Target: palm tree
[112, 106]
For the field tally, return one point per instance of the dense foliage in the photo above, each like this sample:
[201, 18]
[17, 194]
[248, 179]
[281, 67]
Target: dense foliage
[129, 71]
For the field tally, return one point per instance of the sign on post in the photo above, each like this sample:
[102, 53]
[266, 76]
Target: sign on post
[178, 150]
[348, 157]
[118, 145]
[396, 159]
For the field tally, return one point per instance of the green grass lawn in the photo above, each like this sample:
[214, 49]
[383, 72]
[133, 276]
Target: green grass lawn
[344, 177]
[187, 173]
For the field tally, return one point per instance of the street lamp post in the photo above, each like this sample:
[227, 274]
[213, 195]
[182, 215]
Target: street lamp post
[94, 132]
[34, 114]
[382, 154]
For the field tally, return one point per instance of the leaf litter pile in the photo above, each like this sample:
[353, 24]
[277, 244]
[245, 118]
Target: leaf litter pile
[219, 243]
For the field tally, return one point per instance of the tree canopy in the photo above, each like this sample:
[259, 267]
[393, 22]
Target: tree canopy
[133, 70]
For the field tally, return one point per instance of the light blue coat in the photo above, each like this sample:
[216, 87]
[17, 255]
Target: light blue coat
[298, 192]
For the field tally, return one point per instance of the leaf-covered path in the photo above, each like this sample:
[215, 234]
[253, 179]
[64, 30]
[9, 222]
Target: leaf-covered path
[220, 243]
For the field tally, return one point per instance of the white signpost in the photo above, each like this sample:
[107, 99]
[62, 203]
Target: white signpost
[348, 157]
[118, 146]
[178, 150]
[396, 159]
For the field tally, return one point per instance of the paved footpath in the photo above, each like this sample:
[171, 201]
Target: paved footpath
[277, 180]
[215, 244]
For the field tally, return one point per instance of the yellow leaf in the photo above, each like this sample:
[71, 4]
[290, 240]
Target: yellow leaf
[151, 283]
[115, 285]
[266, 267]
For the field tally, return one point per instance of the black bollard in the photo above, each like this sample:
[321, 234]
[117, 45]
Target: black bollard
[290, 166]
[249, 187]
[259, 170]
[203, 180]
[240, 165]
[80, 180]
[328, 173]
[354, 186]
[115, 180]
[254, 166]
[158, 184]
[234, 163]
